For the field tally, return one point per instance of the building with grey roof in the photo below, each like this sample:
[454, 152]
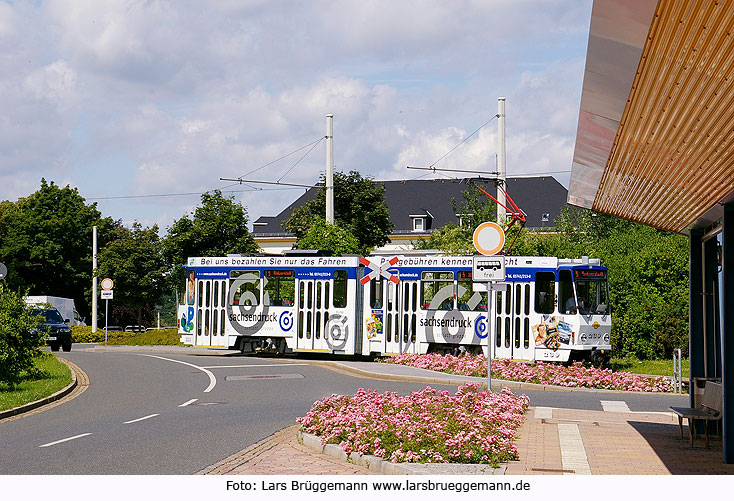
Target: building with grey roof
[418, 207]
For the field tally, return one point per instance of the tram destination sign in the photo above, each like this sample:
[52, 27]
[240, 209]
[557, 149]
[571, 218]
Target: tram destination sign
[488, 268]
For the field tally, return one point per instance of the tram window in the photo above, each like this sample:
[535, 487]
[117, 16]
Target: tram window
[388, 331]
[207, 314]
[221, 323]
[301, 294]
[327, 288]
[215, 319]
[318, 321]
[498, 333]
[300, 321]
[248, 287]
[319, 304]
[437, 285]
[413, 330]
[545, 291]
[376, 301]
[390, 295]
[526, 334]
[280, 287]
[201, 293]
[508, 332]
[527, 299]
[517, 332]
[309, 296]
[591, 292]
[414, 296]
[566, 301]
[340, 289]
[518, 298]
[224, 293]
[216, 295]
[508, 300]
[469, 298]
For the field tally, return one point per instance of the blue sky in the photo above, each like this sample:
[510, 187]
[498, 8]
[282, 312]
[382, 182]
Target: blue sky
[125, 100]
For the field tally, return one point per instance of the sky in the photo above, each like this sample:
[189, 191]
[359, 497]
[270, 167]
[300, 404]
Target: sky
[144, 105]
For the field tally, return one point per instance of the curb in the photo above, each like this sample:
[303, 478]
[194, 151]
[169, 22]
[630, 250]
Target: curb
[51, 398]
[385, 467]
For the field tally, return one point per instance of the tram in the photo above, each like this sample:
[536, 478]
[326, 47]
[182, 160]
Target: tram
[546, 309]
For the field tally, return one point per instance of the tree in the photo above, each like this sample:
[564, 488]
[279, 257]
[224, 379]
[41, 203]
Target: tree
[648, 276]
[20, 342]
[475, 209]
[359, 208]
[46, 243]
[331, 237]
[133, 260]
[216, 228]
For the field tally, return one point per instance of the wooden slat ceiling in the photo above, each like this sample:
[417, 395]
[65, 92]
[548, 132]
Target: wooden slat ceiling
[672, 159]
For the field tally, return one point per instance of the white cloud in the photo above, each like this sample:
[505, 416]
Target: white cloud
[167, 97]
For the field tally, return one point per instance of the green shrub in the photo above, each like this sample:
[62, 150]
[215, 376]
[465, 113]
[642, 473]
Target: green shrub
[20, 342]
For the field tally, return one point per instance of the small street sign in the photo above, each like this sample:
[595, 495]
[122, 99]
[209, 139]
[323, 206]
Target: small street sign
[489, 238]
[107, 294]
[488, 268]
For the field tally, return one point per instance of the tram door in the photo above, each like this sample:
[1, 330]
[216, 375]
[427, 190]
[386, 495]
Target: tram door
[314, 297]
[512, 336]
[400, 316]
[210, 313]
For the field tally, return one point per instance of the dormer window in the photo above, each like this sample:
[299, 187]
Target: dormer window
[463, 218]
[419, 223]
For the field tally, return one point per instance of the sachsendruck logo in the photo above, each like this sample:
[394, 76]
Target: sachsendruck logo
[446, 322]
[452, 327]
[255, 317]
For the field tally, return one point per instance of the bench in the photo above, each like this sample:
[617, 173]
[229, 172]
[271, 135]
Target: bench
[709, 410]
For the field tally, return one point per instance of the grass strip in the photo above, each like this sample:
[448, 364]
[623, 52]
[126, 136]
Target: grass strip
[49, 376]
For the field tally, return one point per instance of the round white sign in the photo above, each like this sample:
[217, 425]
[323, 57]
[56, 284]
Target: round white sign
[107, 284]
[489, 238]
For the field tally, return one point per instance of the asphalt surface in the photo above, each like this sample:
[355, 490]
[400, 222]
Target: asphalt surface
[175, 411]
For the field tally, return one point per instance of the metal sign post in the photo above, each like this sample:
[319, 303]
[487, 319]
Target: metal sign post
[489, 269]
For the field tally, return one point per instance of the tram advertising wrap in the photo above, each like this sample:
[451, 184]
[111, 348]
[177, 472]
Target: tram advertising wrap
[547, 308]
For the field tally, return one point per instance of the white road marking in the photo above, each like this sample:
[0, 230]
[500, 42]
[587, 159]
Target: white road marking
[64, 440]
[189, 402]
[141, 419]
[614, 406]
[212, 379]
[543, 413]
[573, 454]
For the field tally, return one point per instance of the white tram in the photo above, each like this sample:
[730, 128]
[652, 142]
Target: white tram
[547, 308]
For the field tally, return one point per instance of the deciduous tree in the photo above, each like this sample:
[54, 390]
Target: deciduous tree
[359, 207]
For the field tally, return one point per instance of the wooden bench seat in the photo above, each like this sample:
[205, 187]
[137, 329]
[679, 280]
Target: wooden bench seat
[710, 410]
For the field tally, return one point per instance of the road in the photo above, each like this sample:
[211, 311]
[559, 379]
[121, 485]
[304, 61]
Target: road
[162, 413]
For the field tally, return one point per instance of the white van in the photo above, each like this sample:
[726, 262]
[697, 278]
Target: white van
[64, 305]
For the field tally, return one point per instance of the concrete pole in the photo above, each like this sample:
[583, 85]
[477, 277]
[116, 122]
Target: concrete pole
[94, 279]
[330, 169]
[501, 161]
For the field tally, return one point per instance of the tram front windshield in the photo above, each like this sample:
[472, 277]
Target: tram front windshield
[592, 292]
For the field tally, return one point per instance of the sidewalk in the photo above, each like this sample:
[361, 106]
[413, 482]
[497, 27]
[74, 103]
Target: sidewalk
[552, 441]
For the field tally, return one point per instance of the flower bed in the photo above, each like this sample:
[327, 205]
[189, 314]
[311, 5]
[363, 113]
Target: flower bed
[576, 375]
[425, 427]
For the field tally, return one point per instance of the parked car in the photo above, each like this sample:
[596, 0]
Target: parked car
[58, 333]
